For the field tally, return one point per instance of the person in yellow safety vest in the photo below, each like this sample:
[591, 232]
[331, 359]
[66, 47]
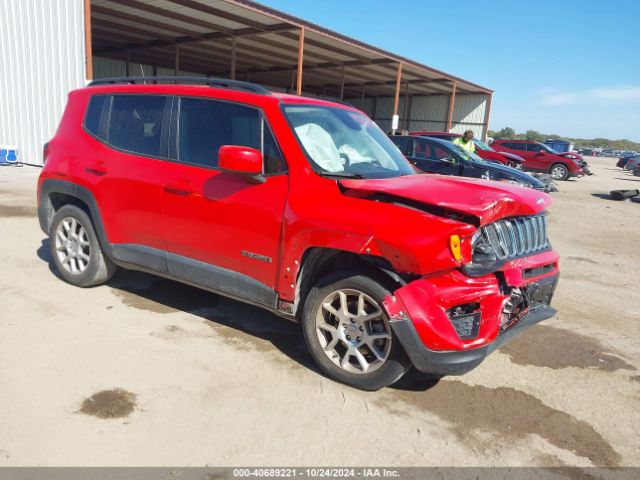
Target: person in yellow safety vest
[466, 142]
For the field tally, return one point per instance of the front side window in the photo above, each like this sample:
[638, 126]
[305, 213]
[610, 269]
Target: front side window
[547, 148]
[345, 143]
[535, 147]
[135, 123]
[206, 125]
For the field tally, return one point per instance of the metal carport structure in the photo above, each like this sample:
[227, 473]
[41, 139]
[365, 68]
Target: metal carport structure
[246, 40]
[50, 48]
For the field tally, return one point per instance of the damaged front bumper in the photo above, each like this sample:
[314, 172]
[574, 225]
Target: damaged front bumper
[448, 324]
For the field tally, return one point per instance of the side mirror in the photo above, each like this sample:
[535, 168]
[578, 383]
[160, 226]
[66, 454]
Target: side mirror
[244, 161]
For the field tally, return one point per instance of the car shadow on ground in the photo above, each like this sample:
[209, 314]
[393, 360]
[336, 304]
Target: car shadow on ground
[231, 320]
[629, 179]
[44, 254]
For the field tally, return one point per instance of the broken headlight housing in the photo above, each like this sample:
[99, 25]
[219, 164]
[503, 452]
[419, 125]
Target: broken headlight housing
[484, 258]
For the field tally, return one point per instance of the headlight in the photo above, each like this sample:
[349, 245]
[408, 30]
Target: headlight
[482, 252]
[515, 182]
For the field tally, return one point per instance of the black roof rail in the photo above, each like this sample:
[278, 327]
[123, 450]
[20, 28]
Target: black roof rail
[211, 81]
[335, 100]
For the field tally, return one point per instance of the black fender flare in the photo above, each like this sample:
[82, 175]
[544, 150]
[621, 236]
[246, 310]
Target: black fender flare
[45, 207]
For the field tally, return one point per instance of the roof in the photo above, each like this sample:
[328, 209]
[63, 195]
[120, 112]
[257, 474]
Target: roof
[266, 42]
[212, 91]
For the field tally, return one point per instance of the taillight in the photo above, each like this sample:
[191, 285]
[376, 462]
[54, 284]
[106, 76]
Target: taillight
[45, 152]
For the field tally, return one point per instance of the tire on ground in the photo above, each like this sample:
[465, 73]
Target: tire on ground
[623, 194]
[565, 173]
[99, 269]
[396, 364]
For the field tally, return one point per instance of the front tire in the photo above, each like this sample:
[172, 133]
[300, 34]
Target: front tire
[348, 334]
[75, 249]
[559, 171]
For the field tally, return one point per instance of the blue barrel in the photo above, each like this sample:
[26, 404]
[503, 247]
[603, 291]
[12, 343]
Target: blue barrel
[8, 154]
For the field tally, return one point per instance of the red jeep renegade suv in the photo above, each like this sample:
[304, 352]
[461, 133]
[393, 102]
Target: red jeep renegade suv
[300, 206]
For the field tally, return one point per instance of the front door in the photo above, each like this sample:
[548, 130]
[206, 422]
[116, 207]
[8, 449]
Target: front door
[223, 231]
[432, 158]
[538, 159]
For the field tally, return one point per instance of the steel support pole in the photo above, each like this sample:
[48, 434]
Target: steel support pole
[127, 64]
[396, 100]
[300, 61]
[487, 116]
[406, 108]
[452, 106]
[177, 60]
[234, 40]
[342, 83]
[88, 48]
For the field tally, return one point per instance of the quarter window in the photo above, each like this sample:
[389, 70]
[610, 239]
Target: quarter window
[94, 113]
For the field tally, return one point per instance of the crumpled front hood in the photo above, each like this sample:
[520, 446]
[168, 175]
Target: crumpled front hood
[485, 200]
[513, 156]
[575, 155]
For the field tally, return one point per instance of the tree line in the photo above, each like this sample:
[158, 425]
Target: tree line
[510, 133]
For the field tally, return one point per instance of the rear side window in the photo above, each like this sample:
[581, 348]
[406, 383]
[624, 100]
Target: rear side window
[135, 123]
[94, 113]
[206, 125]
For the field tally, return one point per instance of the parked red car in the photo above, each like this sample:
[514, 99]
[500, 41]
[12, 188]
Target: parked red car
[482, 149]
[302, 207]
[538, 157]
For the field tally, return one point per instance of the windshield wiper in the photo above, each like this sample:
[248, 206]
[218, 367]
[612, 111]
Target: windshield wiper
[356, 176]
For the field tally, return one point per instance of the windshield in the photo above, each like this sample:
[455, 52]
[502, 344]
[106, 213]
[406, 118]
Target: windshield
[482, 146]
[548, 148]
[345, 143]
[468, 156]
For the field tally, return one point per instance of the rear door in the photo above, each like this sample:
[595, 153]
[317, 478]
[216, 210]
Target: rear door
[126, 170]
[222, 230]
[433, 158]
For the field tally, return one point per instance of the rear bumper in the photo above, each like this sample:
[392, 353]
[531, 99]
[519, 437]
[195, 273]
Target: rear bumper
[459, 362]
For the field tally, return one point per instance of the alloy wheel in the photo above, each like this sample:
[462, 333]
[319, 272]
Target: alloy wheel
[558, 173]
[353, 331]
[72, 246]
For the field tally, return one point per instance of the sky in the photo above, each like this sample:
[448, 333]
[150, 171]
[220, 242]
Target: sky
[568, 67]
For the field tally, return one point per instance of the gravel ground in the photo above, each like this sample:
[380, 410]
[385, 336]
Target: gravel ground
[144, 371]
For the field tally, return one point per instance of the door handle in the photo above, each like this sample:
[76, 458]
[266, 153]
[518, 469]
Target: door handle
[177, 190]
[98, 169]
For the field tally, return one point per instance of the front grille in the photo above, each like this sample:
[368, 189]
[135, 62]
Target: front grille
[517, 236]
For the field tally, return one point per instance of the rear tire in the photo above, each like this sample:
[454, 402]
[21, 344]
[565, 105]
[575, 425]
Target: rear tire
[348, 334]
[559, 171]
[75, 249]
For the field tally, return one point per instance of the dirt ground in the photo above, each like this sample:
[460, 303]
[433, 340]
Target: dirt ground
[145, 371]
